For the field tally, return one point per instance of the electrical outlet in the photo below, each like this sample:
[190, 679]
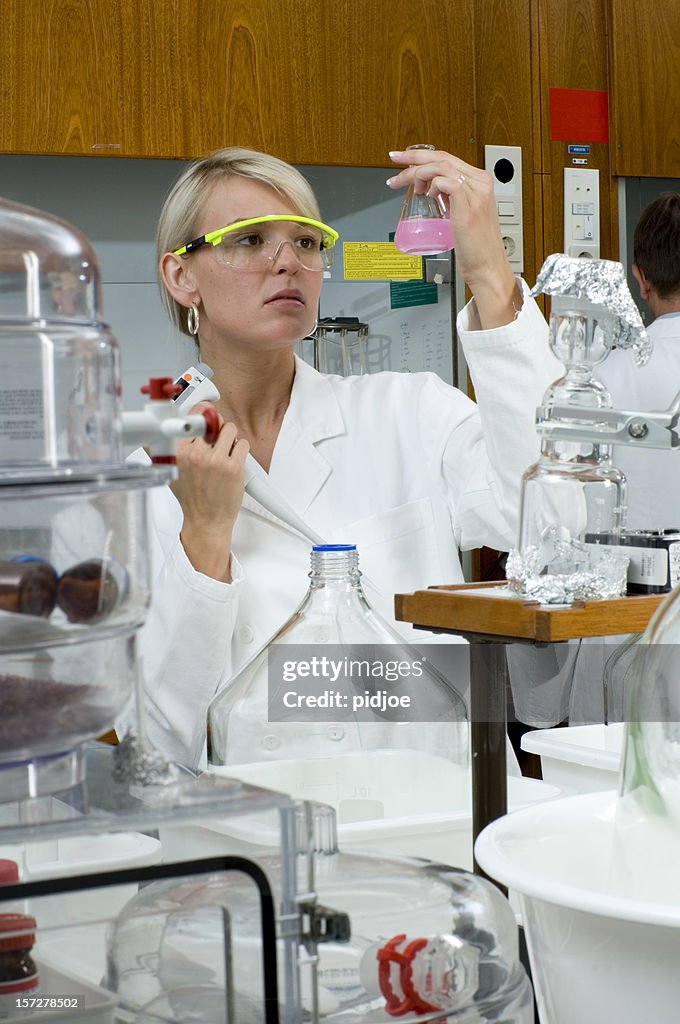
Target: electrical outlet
[505, 164]
[582, 212]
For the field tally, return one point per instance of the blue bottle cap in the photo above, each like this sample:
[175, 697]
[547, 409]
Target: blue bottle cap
[334, 547]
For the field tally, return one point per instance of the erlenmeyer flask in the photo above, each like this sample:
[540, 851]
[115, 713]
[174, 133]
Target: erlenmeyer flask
[424, 228]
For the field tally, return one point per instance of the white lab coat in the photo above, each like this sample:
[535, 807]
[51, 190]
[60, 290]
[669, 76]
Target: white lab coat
[653, 476]
[402, 465]
[566, 680]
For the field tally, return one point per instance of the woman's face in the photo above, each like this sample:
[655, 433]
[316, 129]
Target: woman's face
[265, 309]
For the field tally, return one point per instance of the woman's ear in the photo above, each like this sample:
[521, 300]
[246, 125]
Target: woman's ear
[178, 279]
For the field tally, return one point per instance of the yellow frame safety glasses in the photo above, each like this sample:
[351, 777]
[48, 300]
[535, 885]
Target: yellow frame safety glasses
[328, 236]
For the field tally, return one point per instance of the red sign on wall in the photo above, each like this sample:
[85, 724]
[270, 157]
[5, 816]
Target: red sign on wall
[578, 115]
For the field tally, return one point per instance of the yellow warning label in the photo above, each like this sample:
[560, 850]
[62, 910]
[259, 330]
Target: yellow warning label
[379, 261]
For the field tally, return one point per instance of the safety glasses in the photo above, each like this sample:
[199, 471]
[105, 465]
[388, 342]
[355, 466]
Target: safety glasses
[256, 243]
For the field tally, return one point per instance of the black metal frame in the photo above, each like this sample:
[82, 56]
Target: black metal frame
[80, 883]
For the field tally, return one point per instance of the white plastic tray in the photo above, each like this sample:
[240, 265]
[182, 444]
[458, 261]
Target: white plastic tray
[580, 759]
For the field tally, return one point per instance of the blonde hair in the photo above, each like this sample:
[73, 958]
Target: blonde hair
[184, 202]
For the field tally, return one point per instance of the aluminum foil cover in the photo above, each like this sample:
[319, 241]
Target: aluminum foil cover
[602, 282]
[578, 573]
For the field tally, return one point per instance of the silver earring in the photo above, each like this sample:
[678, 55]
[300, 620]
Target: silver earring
[193, 320]
[312, 334]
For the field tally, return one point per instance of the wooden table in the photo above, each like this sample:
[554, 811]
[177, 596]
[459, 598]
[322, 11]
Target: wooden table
[490, 616]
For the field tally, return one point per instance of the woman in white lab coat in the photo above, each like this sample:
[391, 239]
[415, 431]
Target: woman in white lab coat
[403, 465]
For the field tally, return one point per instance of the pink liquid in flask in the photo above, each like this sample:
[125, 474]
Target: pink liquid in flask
[423, 236]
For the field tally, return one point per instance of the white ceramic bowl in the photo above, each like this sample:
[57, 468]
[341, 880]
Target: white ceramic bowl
[602, 917]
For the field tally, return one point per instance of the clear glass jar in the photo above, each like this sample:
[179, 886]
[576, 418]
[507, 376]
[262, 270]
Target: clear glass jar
[438, 943]
[90, 532]
[60, 406]
[74, 537]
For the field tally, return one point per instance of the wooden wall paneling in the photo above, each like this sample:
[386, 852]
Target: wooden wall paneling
[163, 43]
[645, 75]
[541, 140]
[503, 93]
[335, 83]
[574, 56]
[63, 76]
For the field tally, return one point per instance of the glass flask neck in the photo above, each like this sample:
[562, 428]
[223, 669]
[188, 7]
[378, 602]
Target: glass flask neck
[337, 566]
[316, 828]
[576, 337]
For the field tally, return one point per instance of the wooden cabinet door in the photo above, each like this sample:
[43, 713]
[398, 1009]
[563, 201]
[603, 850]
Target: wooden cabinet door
[63, 76]
[314, 81]
[645, 87]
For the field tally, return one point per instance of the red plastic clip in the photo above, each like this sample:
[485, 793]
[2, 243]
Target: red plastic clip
[386, 956]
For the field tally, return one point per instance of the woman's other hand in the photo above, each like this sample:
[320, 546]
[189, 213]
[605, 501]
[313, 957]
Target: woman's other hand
[209, 488]
[469, 199]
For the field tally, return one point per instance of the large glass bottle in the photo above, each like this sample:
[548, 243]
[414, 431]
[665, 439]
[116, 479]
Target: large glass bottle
[335, 622]
[423, 943]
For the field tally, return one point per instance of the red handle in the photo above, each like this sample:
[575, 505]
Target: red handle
[212, 425]
[161, 388]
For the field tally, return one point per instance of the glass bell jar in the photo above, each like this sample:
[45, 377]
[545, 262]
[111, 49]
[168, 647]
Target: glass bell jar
[424, 228]
[573, 500]
[413, 940]
[74, 570]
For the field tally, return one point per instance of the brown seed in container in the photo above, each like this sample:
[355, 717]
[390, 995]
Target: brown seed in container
[28, 588]
[43, 715]
[88, 591]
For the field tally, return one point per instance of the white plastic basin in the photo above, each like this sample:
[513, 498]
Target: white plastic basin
[602, 931]
[579, 759]
[393, 802]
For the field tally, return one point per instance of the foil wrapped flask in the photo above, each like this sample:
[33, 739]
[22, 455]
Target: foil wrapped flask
[574, 492]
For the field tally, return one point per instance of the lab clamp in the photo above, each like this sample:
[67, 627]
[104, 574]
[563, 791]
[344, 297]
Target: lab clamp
[574, 499]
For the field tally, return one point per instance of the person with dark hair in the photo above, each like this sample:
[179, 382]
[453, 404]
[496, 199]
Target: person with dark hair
[567, 679]
[653, 476]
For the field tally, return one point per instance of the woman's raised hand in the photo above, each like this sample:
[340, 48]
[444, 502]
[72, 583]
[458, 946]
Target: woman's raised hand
[468, 197]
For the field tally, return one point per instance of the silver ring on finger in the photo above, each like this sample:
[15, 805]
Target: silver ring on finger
[460, 179]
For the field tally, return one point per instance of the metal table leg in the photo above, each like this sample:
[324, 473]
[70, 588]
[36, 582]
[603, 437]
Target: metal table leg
[487, 734]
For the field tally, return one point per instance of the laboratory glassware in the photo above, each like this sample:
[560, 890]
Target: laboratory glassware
[573, 497]
[406, 938]
[340, 346]
[336, 621]
[424, 228]
[73, 518]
